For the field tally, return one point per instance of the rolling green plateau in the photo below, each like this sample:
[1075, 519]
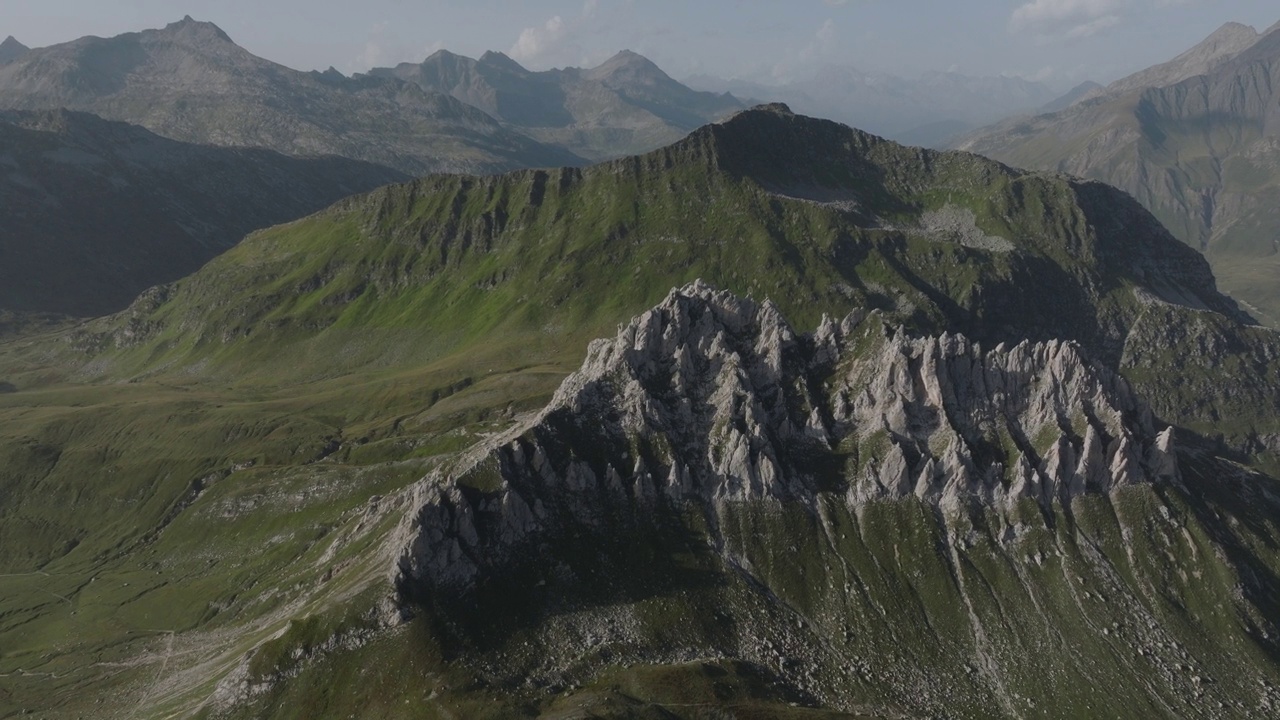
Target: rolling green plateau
[205, 498]
[1195, 140]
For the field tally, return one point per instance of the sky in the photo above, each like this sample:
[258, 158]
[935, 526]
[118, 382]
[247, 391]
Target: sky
[1061, 42]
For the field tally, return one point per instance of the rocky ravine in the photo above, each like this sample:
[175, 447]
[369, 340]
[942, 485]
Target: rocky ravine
[916, 523]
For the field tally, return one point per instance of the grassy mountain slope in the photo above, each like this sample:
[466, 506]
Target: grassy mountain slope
[626, 105]
[95, 212]
[1195, 140]
[190, 82]
[245, 424]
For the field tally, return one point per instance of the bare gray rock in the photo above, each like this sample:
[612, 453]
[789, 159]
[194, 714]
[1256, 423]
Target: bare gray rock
[710, 400]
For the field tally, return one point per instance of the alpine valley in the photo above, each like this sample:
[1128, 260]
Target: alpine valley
[781, 420]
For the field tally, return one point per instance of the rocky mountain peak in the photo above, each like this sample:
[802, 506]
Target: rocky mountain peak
[628, 66]
[1224, 43]
[1266, 49]
[781, 149]
[195, 31]
[443, 55]
[501, 60]
[1231, 33]
[711, 400]
[11, 49]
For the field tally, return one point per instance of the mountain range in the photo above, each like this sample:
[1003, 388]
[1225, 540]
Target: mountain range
[373, 463]
[928, 110]
[190, 82]
[95, 212]
[626, 105]
[221, 143]
[1196, 140]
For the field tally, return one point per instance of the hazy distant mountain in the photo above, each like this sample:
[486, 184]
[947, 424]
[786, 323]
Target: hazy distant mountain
[190, 82]
[1072, 96]
[1215, 50]
[626, 105]
[93, 212]
[11, 50]
[928, 110]
[1196, 140]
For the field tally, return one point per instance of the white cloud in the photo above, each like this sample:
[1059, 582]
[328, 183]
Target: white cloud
[375, 53]
[558, 41]
[826, 34]
[818, 49]
[383, 47]
[536, 42]
[1079, 18]
[1066, 18]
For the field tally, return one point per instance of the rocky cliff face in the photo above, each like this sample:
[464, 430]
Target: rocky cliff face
[710, 400]
[879, 520]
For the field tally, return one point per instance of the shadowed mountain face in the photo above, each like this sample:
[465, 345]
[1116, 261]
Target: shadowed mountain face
[1196, 140]
[625, 106]
[371, 463]
[190, 82]
[93, 212]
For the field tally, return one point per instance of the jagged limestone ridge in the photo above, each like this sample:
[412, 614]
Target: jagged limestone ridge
[713, 400]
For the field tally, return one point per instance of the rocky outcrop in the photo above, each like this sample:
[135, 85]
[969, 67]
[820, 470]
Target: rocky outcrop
[710, 401]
